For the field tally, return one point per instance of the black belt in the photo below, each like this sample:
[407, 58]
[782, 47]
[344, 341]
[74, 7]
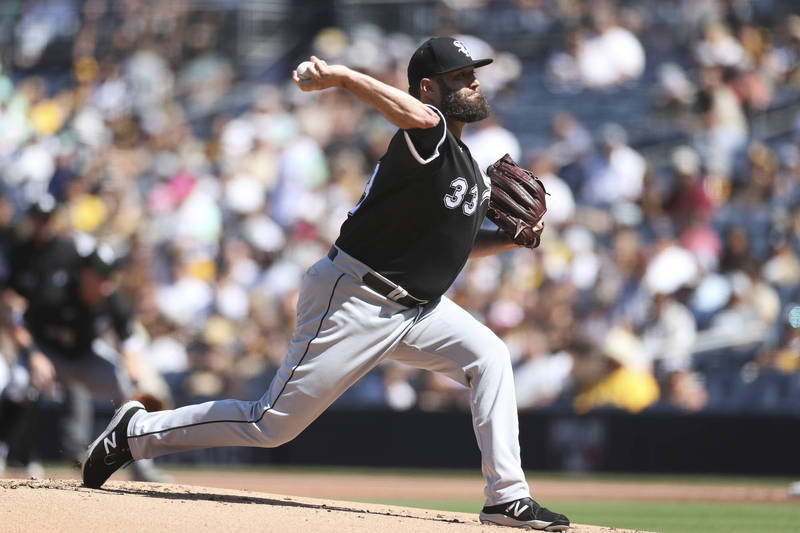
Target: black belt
[384, 287]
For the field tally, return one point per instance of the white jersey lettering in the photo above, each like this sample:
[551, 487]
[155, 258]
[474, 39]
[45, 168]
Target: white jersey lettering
[454, 199]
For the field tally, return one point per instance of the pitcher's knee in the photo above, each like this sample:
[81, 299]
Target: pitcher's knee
[275, 431]
[494, 362]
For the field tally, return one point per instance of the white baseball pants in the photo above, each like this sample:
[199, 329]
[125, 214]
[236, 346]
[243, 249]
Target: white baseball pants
[344, 329]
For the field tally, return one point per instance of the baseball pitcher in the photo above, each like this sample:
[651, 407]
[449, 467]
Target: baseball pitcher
[379, 293]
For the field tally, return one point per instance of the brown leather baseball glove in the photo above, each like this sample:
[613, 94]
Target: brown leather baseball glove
[517, 203]
[150, 402]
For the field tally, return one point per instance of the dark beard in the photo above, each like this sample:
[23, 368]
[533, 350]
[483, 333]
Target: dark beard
[459, 108]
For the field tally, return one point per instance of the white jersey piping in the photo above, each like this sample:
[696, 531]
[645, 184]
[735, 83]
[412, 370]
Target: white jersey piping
[413, 149]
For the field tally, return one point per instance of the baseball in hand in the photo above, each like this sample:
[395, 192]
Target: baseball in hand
[302, 70]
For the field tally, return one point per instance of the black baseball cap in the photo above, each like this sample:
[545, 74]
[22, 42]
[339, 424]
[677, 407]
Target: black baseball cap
[440, 55]
[103, 260]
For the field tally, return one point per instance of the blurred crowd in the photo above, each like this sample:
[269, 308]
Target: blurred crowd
[656, 286]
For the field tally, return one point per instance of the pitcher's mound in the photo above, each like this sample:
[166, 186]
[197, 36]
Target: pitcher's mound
[66, 506]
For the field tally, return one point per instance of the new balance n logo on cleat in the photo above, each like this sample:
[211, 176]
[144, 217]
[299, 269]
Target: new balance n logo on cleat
[110, 442]
[515, 508]
[110, 451]
[524, 513]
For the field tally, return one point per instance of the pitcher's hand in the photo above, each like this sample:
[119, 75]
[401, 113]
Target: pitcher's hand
[320, 75]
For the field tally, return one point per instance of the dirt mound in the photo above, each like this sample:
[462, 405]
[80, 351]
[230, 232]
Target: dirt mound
[64, 505]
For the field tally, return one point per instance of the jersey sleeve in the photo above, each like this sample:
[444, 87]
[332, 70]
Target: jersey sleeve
[121, 315]
[13, 263]
[423, 144]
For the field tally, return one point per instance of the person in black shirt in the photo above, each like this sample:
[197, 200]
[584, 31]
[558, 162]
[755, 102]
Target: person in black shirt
[30, 372]
[77, 331]
[379, 294]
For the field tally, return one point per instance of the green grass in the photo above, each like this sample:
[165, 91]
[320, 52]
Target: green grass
[686, 517]
[532, 476]
[705, 479]
[654, 516]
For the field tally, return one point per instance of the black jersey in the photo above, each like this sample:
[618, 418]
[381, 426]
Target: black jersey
[47, 275]
[422, 208]
[69, 328]
[41, 271]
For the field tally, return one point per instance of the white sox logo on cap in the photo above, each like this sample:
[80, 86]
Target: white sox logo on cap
[440, 55]
[461, 48]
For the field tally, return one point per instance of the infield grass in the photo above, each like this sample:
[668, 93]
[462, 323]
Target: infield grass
[662, 517]
[531, 475]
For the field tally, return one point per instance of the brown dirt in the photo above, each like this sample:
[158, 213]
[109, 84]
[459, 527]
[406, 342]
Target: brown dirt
[63, 505]
[298, 501]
